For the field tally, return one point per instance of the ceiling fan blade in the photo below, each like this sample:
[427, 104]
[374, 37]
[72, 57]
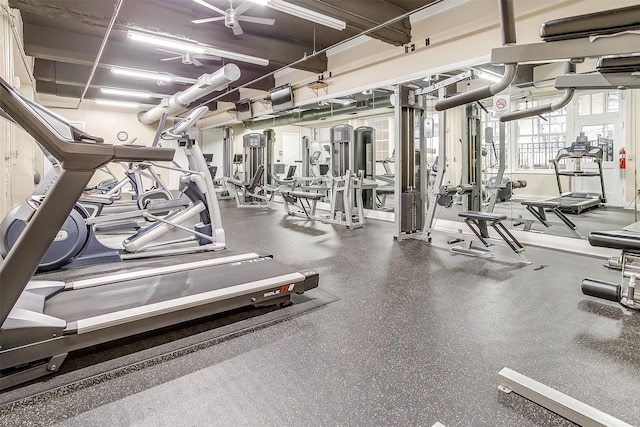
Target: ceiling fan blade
[209, 6]
[256, 20]
[171, 59]
[237, 30]
[246, 5]
[205, 20]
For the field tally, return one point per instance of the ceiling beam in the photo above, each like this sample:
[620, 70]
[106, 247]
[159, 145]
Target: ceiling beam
[280, 50]
[44, 43]
[77, 75]
[363, 18]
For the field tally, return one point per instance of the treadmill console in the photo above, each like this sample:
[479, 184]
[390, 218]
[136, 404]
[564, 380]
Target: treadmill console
[580, 149]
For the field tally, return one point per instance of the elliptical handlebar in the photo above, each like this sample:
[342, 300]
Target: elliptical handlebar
[176, 131]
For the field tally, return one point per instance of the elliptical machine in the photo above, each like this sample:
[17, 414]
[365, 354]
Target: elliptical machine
[76, 243]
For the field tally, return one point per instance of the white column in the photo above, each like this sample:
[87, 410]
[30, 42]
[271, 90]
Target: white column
[6, 129]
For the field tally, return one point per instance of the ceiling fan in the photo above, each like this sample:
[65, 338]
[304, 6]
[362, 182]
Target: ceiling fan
[232, 17]
[189, 58]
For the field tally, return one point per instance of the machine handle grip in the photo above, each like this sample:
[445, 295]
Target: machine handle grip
[134, 153]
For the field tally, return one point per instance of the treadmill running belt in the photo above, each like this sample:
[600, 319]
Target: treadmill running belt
[89, 302]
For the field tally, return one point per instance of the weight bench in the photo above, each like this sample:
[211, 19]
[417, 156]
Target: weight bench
[478, 222]
[306, 201]
[538, 209]
[624, 293]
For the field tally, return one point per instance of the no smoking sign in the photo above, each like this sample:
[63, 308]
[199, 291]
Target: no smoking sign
[501, 104]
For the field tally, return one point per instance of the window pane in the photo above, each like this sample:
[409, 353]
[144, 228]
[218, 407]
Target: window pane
[613, 102]
[593, 132]
[584, 105]
[540, 139]
[597, 103]
[525, 127]
[608, 131]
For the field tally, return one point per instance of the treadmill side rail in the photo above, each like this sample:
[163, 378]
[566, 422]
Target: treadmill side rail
[283, 285]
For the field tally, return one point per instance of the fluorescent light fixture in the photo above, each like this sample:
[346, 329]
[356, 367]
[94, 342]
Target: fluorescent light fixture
[125, 92]
[191, 46]
[341, 101]
[483, 73]
[149, 75]
[301, 12]
[487, 76]
[166, 42]
[237, 56]
[112, 103]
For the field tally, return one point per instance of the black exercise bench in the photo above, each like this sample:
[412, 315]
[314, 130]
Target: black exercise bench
[478, 222]
[539, 207]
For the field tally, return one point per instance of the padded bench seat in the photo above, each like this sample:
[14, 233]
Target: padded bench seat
[541, 203]
[482, 216]
[623, 240]
[623, 64]
[302, 194]
[598, 23]
[385, 190]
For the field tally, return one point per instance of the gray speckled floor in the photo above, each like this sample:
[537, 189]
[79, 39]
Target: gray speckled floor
[417, 337]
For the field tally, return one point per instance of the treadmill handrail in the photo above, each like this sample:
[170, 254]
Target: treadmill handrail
[74, 150]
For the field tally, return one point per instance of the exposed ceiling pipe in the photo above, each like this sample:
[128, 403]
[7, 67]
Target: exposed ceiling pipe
[104, 43]
[206, 84]
[312, 115]
[570, 68]
[508, 31]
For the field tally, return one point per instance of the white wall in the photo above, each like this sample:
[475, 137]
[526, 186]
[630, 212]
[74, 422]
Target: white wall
[106, 123]
[17, 148]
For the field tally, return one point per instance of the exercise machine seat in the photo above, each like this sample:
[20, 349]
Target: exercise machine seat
[256, 179]
[623, 64]
[482, 216]
[598, 23]
[623, 240]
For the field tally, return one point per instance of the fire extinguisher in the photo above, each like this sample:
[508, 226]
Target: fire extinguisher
[623, 158]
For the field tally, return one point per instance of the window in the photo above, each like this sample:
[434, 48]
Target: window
[539, 139]
[384, 144]
[602, 136]
[598, 103]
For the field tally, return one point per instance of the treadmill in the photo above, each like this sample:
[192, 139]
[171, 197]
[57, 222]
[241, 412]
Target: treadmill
[577, 203]
[43, 320]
